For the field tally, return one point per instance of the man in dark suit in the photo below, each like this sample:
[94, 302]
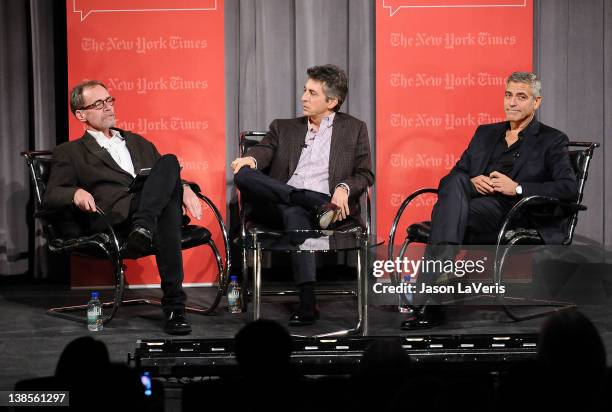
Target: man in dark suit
[318, 166]
[97, 169]
[503, 162]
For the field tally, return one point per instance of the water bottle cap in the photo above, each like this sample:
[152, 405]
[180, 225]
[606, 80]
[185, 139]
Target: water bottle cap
[94, 295]
[233, 278]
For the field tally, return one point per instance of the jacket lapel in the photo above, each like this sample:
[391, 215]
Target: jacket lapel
[335, 150]
[295, 146]
[134, 152]
[491, 142]
[530, 135]
[94, 148]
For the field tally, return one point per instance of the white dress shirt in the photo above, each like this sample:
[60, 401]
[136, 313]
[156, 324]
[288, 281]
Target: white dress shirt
[116, 147]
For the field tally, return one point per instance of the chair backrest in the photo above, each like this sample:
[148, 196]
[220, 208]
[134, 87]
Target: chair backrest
[581, 154]
[249, 139]
[59, 224]
[39, 166]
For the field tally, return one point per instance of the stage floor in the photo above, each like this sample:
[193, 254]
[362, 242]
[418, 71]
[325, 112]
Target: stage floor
[31, 341]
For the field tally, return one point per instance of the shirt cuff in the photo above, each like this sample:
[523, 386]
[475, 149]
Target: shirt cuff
[344, 185]
[254, 160]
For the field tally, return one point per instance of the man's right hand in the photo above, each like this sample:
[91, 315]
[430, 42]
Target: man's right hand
[483, 184]
[240, 162]
[84, 201]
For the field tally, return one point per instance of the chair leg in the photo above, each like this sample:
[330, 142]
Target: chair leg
[395, 278]
[64, 312]
[221, 282]
[556, 306]
[245, 296]
[361, 327]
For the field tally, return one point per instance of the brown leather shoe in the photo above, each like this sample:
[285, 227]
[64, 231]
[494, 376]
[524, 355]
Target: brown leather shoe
[326, 214]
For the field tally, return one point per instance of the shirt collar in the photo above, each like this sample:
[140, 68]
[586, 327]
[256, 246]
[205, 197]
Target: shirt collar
[529, 129]
[104, 141]
[327, 121]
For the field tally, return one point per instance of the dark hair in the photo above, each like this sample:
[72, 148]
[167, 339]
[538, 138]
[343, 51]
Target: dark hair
[335, 82]
[76, 94]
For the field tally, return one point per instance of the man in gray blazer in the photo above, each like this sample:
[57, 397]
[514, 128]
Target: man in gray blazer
[316, 167]
[97, 169]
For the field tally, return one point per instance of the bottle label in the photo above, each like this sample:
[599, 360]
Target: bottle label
[233, 300]
[94, 318]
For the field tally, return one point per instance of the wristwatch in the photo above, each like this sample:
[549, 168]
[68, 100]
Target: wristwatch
[519, 190]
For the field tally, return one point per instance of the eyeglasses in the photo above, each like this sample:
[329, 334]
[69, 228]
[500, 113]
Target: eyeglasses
[99, 104]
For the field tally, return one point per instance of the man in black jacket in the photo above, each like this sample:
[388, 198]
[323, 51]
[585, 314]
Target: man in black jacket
[503, 162]
[97, 169]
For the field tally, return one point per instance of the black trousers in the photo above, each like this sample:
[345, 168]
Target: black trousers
[460, 216]
[281, 206]
[158, 207]
[463, 216]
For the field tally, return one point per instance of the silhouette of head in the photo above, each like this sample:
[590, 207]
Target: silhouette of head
[81, 356]
[263, 347]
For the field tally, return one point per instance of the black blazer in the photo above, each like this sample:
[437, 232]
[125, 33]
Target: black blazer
[82, 163]
[542, 168]
[350, 159]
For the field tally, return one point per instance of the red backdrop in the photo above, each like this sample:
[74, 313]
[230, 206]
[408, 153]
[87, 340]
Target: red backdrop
[163, 61]
[440, 72]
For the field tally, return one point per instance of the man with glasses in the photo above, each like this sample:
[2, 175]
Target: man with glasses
[97, 169]
[504, 162]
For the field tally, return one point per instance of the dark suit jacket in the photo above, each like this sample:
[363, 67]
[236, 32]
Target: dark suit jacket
[542, 168]
[350, 159]
[82, 163]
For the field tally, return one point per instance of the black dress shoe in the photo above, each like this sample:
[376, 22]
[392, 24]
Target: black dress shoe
[326, 214]
[303, 318]
[140, 240]
[176, 323]
[427, 317]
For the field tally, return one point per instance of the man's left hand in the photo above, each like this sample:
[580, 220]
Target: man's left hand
[340, 199]
[192, 203]
[503, 184]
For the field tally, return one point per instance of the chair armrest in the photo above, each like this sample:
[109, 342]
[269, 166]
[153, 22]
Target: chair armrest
[400, 212]
[192, 185]
[113, 236]
[196, 189]
[368, 210]
[571, 207]
[114, 240]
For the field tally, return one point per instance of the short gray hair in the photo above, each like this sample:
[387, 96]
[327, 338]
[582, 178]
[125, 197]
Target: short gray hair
[76, 94]
[528, 78]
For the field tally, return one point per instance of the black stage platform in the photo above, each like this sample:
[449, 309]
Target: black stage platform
[31, 341]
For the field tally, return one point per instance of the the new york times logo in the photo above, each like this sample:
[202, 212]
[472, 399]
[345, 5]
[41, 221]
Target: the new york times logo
[412, 267]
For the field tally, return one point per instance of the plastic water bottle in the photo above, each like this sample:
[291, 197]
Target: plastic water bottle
[94, 313]
[406, 299]
[234, 305]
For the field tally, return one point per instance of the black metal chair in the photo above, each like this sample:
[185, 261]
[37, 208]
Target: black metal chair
[107, 244]
[247, 140]
[508, 235]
